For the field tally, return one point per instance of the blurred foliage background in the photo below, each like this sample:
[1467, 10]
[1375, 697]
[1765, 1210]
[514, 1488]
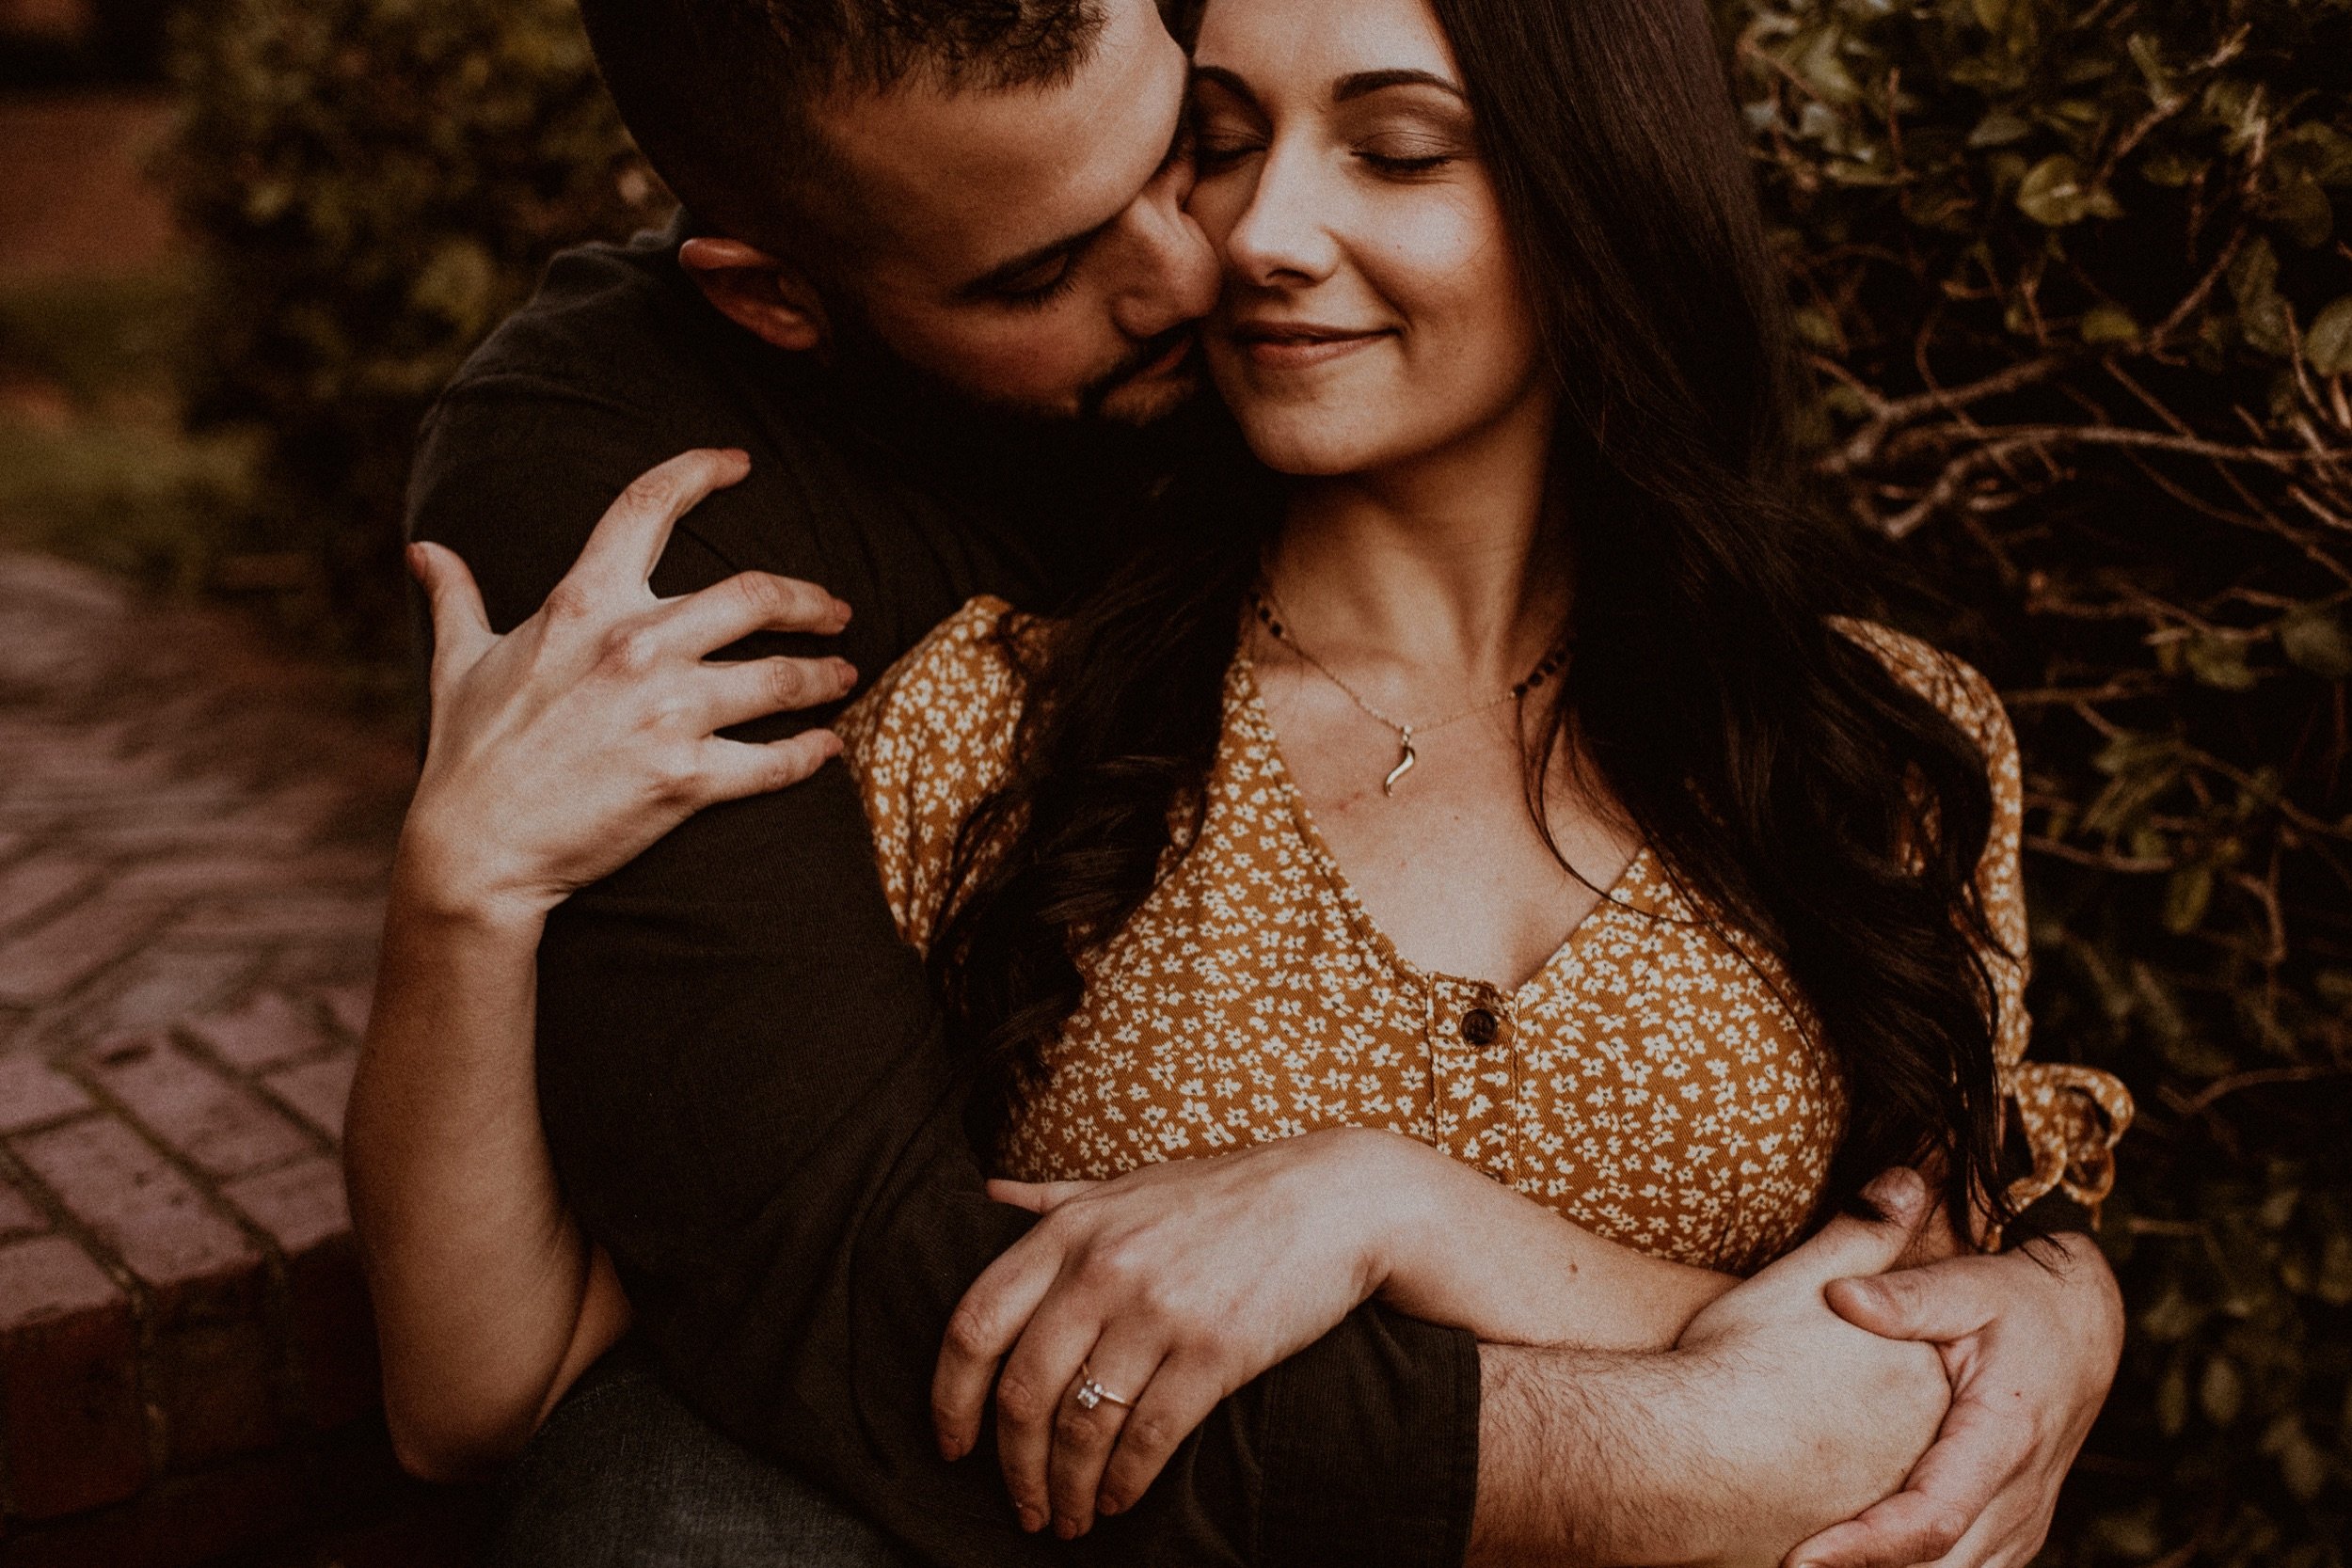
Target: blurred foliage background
[378, 183]
[2075, 277]
[2076, 280]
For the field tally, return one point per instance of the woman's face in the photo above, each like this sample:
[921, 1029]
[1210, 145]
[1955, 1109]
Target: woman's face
[1372, 311]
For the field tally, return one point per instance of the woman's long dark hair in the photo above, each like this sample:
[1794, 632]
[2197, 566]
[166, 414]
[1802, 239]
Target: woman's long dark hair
[1796, 791]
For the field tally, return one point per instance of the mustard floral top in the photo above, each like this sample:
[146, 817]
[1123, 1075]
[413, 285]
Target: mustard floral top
[1648, 1081]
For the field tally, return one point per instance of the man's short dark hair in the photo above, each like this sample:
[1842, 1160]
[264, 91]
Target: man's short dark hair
[723, 95]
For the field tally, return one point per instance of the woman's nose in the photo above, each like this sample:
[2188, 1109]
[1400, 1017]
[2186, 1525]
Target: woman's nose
[1283, 235]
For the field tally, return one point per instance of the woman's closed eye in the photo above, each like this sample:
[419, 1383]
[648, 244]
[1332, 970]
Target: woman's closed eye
[1404, 154]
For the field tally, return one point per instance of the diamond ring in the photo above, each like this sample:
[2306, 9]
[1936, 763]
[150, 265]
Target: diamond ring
[1089, 1393]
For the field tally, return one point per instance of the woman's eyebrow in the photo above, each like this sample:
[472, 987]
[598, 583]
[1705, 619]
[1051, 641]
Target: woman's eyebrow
[1230, 80]
[1364, 83]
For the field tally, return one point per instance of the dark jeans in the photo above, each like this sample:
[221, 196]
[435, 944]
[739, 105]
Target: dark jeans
[623, 1476]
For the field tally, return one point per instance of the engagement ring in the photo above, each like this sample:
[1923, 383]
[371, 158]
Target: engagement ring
[1091, 1393]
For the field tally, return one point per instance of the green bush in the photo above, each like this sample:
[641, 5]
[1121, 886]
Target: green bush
[378, 182]
[2075, 273]
[2076, 278]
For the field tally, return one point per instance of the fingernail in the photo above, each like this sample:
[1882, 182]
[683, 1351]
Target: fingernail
[1107, 1505]
[1066, 1529]
[1031, 1520]
[841, 610]
[847, 671]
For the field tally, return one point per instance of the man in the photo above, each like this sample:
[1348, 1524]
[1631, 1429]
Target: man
[937, 284]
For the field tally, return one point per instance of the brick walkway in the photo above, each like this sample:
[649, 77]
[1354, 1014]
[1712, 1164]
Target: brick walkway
[192, 842]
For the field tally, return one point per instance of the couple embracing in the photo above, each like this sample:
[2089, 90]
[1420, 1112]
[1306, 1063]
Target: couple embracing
[1380, 960]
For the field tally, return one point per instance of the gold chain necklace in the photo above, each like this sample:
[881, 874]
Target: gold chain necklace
[1262, 602]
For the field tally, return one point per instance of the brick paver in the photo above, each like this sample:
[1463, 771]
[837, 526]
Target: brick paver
[194, 836]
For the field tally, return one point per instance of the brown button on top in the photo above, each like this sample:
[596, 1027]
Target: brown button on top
[1480, 1026]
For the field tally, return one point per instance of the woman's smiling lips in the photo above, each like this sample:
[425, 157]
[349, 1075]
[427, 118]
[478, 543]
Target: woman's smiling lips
[1296, 345]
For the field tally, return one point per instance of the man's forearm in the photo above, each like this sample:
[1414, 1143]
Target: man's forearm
[1773, 1419]
[1578, 1451]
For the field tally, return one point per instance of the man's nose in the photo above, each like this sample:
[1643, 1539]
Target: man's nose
[1175, 277]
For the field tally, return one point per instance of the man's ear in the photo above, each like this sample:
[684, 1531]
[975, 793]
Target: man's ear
[768, 298]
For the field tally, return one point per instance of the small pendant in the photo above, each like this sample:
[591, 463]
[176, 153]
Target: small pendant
[1404, 763]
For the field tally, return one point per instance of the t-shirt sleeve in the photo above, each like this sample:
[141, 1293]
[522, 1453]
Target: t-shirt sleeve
[2070, 1117]
[926, 745]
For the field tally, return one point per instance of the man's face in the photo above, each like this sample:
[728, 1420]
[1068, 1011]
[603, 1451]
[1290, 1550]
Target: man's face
[1029, 248]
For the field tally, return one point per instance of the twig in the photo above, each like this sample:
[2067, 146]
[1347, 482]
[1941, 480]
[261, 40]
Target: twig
[2220, 1088]
[2102, 860]
[1888, 413]
[2197, 297]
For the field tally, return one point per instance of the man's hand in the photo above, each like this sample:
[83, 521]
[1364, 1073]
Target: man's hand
[561, 749]
[2031, 1341]
[1773, 1419]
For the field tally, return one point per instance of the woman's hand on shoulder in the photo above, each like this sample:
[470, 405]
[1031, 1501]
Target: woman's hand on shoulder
[561, 749]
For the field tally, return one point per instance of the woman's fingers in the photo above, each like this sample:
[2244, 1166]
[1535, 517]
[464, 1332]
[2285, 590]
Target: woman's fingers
[1037, 1197]
[986, 1325]
[628, 540]
[756, 688]
[461, 627]
[1034, 1398]
[1085, 1434]
[748, 602]
[1180, 1395]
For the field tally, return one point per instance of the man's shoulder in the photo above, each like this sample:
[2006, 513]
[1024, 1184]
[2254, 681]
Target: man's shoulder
[617, 321]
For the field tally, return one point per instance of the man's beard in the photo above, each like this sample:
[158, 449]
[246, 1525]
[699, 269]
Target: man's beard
[865, 362]
[1141, 406]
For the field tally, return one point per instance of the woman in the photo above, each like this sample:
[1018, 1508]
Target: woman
[1477, 776]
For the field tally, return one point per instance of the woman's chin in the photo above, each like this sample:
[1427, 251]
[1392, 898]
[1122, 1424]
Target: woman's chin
[1308, 444]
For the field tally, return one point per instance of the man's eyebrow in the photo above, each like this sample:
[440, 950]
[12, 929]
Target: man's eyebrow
[1000, 277]
[1364, 83]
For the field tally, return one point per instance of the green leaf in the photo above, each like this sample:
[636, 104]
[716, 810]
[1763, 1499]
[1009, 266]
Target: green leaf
[2222, 1392]
[2316, 638]
[2334, 1284]
[2327, 345]
[1999, 129]
[2253, 278]
[1813, 325]
[2172, 1401]
[2319, 150]
[2219, 662]
[2302, 210]
[2053, 194]
[2186, 893]
[2171, 1318]
[2108, 323]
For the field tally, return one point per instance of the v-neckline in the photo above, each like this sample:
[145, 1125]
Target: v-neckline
[1614, 898]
